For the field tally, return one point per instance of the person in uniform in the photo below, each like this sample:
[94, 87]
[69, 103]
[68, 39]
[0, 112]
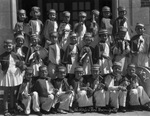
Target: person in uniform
[80, 28]
[86, 54]
[64, 30]
[137, 97]
[117, 87]
[102, 53]
[121, 50]
[25, 94]
[65, 96]
[120, 21]
[36, 25]
[11, 75]
[140, 46]
[71, 55]
[50, 26]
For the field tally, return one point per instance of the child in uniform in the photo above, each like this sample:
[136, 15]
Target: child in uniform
[102, 53]
[80, 28]
[86, 54]
[64, 96]
[50, 25]
[11, 75]
[120, 21]
[64, 30]
[71, 55]
[26, 96]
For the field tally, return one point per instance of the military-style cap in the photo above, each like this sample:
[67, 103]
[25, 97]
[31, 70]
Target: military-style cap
[54, 34]
[79, 69]
[66, 13]
[35, 8]
[88, 34]
[131, 65]
[106, 9]
[96, 12]
[121, 8]
[19, 36]
[73, 34]
[52, 11]
[7, 41]
[123, 29]
[140, 25]
[117, 64]
[61, 69]
[34, 36]
[42, 67]
[95, 67]
[82, 14]
[103, 31]
[21, 11]
[29, 70]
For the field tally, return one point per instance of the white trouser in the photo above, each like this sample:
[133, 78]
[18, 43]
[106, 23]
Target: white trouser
[118, 98]
[27, 103]
[138, 96]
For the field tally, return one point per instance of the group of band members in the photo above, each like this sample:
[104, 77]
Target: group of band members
[52, 69]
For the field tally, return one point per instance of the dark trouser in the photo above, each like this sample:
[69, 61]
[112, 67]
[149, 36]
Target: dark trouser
[9, 91]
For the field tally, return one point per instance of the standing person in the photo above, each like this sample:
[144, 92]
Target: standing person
[25, 94]
[54, 54]
[117, 88]
[22, 27]
[106, 23]
[71, 55]
[11, 75]
[80, 28]
[138, 98]
[102, 53]
[86, 54]
[44, 89]
[120, 21]
[19, 48]
[121, 50]
[140, 46]
[35, 24]
[64, 30]
[64, 96]
[94, 27]
[50, 24]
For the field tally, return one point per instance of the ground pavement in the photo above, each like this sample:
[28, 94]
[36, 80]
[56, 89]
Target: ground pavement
[133, 113]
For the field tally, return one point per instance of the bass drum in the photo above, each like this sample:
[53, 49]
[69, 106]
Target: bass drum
[144, 75]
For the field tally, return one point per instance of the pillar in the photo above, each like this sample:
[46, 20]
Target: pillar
[115, 9]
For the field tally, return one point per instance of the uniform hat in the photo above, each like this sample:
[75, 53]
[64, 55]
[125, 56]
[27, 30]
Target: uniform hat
[140, 25]
[53, 34]
[34, 36]
[82, 14]
[61, 68]
[52, 11]
[79, 69]
[7, 41]
[35, 8]
[123, 29]
[117, 64]
[21, 11]
[29, 70]
[121, 8]
[73, 34]
[66, 13]
[103, 31]
[19, 36]
[96, 12]
[95, 67]
[42, 67]
[106, 9]
[132, 65]
[87, 34]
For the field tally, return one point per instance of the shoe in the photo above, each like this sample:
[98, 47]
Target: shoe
[122, 109]
[7, 114]
[70, 110]
[39, 113]
[53, 111]
[114, 110]
[61, 111]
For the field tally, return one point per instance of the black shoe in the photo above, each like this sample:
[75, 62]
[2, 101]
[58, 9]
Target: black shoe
[114, 110]
[53, 111]
[39, 113]
[70, 110]
[122, 109]
[61, 111]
